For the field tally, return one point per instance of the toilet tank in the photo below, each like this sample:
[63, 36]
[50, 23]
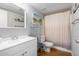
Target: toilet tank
[42, 39]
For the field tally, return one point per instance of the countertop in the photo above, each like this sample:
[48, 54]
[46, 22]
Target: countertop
[13, 42]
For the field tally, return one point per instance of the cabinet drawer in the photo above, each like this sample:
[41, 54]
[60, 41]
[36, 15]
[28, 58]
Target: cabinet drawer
[18, 49]
[31, 52]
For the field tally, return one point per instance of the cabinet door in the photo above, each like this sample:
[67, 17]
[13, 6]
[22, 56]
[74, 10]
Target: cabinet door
[31, 52]
[30, 49]
[3, 18]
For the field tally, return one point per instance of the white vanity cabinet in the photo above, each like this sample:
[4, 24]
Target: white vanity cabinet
[28, 48]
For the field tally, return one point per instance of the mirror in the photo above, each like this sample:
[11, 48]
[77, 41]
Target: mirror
[11, 16]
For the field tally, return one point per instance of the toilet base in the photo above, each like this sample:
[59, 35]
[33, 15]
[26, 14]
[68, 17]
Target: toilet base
[46, 49]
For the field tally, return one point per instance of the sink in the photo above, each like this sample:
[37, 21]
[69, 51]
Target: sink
[18, 37]
[4, 40]
[24, 36]
[14, 37]
[1, 39]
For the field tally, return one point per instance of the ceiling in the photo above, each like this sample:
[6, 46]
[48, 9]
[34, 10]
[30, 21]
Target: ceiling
[49, 8]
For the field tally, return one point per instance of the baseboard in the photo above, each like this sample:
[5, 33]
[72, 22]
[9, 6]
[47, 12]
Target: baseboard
[62, 49]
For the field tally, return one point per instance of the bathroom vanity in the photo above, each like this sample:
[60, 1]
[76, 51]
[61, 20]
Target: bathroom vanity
[23, 46]
[14, 17]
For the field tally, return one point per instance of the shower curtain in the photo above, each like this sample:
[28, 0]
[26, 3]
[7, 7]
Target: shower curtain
[57, 29]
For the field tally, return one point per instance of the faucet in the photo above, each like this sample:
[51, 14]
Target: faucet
[14, 37]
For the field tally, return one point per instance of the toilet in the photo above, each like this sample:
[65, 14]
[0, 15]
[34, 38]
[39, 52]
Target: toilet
[46, 45]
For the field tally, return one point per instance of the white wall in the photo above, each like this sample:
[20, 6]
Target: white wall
[75, 31]
[57, 29]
